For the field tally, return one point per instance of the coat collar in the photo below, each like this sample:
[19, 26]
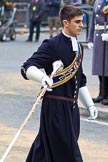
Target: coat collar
[73, 40]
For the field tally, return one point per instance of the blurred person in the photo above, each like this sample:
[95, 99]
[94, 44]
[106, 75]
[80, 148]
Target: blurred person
[36, 11]
[57, 139]
[95, 41]
[53, 7]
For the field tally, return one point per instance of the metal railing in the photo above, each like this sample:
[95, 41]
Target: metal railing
[88, 10]
[22, 16]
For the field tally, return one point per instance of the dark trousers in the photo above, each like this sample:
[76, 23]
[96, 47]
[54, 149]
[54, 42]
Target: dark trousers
[103, 87]
[34, 24]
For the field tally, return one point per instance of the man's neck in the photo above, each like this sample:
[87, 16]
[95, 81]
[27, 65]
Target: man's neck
[66, 34]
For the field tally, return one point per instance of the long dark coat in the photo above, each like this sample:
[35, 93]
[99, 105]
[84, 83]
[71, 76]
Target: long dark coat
[98, 18]
[57, 140]
[36, 10]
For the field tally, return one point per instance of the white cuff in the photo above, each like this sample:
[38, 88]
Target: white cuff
[85, 97]
[33, 73]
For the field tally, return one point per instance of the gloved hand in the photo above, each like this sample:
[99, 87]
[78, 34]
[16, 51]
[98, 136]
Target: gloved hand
[93, 113]
[87, 101]
[47, 82]
[35, 74]
[90, 45]
[104, 36]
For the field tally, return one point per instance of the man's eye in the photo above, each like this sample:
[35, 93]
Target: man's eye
[78, 22]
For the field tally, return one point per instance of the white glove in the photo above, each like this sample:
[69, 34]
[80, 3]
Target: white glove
[90, 45]
[87, 101]
[35, 74]
[93, 113]
[47, 82]
[104, 36]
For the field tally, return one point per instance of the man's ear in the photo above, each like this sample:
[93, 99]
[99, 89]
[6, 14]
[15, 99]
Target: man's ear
[65, 23]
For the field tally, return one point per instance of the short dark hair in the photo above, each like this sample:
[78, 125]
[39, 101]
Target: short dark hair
[68, 12]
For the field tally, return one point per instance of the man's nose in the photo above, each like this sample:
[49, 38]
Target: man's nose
[81, 24]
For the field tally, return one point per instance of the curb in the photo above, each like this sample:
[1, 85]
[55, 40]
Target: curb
[26, 30]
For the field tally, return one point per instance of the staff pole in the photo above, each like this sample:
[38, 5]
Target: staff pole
[57, 66]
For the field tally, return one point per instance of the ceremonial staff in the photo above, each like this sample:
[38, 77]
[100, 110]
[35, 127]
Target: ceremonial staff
[105, 10]
[57, 66]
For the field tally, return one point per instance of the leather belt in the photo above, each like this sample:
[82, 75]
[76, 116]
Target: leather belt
[62, 98]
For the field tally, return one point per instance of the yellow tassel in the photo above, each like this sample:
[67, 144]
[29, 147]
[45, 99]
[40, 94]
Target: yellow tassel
[105, 9]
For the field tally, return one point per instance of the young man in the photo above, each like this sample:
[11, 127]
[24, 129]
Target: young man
[57, 140]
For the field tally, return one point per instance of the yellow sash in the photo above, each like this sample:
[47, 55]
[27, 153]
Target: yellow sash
[67, 73]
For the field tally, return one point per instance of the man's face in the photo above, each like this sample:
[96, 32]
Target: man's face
[74, 26]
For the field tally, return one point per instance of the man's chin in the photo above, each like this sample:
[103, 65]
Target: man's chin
[78, 33]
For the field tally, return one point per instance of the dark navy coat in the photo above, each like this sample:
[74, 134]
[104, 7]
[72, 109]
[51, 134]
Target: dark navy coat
[98, 18]
[57, 140]
[36, 10]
